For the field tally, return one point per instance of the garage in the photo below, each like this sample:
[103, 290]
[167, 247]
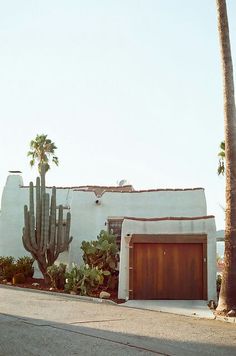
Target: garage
[168, 267]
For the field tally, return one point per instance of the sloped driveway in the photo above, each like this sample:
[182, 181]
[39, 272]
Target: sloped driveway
[194, 308]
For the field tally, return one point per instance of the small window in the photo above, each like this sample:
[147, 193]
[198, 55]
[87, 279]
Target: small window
[114, 227]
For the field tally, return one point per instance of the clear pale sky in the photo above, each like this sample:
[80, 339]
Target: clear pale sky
[125, 88]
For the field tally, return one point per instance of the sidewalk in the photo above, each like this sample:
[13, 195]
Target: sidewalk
[194, 308]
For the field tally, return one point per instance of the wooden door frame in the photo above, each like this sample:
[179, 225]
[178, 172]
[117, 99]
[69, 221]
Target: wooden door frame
[168, 238]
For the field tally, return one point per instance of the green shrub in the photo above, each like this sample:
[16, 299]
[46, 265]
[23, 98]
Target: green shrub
[25, 265]
[90, 279]
[7, 267]
[72, 279]
[85, 280]
[103, 253]
[57, 275]
[18, 278]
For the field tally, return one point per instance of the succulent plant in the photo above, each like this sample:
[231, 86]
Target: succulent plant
[103, 254]
[84, 280]
[57, 275]
[45, 234]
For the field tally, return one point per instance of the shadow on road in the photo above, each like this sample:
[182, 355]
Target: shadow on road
[28, 336]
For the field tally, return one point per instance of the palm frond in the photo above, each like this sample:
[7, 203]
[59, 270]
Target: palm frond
[221, 167]
[42, 148]
[32, 162]
[221, 154]
[222, 145]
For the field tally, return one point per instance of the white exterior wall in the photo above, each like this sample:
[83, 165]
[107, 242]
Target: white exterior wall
[88, 218]
[14, 197]
[11, 218]
[199, 226]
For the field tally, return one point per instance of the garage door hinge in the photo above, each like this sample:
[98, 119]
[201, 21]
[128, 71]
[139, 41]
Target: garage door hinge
[130, 267]
[130, 246]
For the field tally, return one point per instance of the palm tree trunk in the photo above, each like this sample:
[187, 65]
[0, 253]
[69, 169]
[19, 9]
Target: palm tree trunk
[227, 299]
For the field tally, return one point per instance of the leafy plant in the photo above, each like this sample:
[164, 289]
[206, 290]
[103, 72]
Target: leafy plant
[103, 254]
[42, 149]
[72, 279]
[18, 278]
[25, 265]
[57, 275]
[7, 267]
[90, 279]
[84, 280]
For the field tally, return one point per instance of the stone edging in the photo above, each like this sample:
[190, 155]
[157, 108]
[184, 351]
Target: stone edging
[71, 296]
[226, 319]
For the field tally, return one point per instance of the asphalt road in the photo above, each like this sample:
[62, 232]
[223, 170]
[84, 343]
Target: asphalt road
[34, 323]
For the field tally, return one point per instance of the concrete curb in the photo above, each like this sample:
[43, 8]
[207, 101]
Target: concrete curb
[62, 295]
[107, 301]
[226, 319]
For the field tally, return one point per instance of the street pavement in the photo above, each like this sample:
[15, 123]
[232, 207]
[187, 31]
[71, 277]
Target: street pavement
[33, 323]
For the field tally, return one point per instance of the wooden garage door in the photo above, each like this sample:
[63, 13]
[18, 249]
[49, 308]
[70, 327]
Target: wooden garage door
[168, 271]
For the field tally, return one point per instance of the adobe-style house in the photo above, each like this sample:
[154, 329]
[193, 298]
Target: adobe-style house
[167, 240]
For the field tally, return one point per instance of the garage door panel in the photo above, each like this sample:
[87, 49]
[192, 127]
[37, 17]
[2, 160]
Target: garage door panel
[145, 278]
[168, 271]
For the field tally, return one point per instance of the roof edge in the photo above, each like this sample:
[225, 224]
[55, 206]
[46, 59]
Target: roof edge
[119, 189]
[171, 218]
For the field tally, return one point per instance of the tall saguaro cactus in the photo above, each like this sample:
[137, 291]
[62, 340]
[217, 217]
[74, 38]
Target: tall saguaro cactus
[45, 234]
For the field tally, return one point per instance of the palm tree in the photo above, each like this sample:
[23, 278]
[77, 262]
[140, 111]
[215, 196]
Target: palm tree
[42, 150]
[221, 163]
[227, 299]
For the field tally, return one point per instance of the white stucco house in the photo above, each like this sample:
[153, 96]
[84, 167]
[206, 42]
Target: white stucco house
[166, 237]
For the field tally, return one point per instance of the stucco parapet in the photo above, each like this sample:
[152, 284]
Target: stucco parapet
[170, 218]
[130, 189]
[121, 189]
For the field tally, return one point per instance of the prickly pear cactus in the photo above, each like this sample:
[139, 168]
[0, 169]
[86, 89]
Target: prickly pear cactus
[102, 252]
[44, 235]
